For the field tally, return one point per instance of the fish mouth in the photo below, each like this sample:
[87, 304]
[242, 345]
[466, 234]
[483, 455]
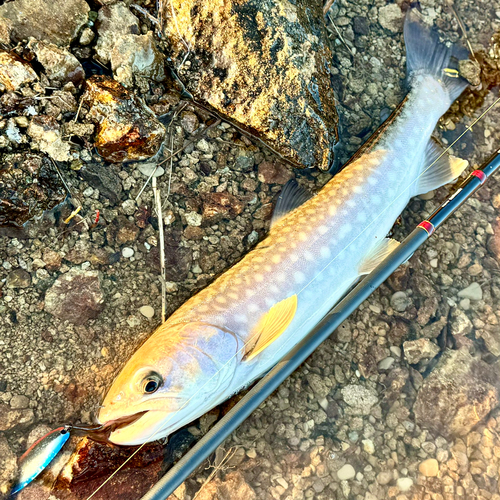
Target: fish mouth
[101, 433]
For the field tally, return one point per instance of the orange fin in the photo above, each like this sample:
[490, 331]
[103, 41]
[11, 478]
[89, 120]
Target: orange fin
[272, 325]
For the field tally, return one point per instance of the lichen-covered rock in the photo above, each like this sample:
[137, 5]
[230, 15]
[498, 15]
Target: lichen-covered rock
[75, 296]
[29, 185]
[55, 21]
[126, 128]
[137, 55]
[8, 467]
[60, 65]
[416, 350]
[14, 71]
[458, 393]
[113, 21]
[217, 206]
[264, 65]
[46, 133]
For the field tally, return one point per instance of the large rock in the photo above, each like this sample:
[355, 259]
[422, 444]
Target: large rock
[47, 135]
[263, 64]
[75, 296]
[459, 393]
[14, 71]
[126, 128]
[60, 65]
[29, 185]
[13, 418]
[8, 467]
[56, 21]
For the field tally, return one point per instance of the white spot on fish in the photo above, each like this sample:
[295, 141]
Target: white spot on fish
[240, 318]
[294, 257]
[308, 256]
[344, 231]
[371, 180]
[351, 203]
[361, 217]
[325, 252]
[253, 308]
[270, 302]
[322, 229]
[358, 189]
[299, 277]
[332, 210]
[281, 277]
[274, 289]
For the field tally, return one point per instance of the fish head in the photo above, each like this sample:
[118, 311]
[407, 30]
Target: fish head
[173, 378]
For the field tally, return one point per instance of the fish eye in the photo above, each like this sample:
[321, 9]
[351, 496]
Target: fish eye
[151, 383]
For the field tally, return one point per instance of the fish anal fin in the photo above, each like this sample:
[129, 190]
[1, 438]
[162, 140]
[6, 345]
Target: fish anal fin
[272, 325]
[377, 255]
[439, 168]
[292, 196]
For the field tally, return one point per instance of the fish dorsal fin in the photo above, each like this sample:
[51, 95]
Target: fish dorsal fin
[377, 255]
[272, 325]
[439, 169]
[292, 196]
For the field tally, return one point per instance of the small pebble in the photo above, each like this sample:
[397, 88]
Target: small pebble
[429, 467]
[147, 311]
[386, 363]
[404, 483]
[400, 301]
[465, 304]
[346, 472]
[146, 169]
[127, 252]
[395, 350]
[368, 446]
[472, 292]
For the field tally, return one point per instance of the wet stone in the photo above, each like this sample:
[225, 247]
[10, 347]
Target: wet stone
[113, 22]
[400, 301]
[273, 173]
[75, 296]
[55, 21]
[359, 398]
[218, 206]
[8, 467]
[458, 393]
[14, 71]
[137, 55]
[22, 196]
[346, 472]
[472, 292]
[18, 278]
[60, 65]
[19, 402]
[429, 467]
[46, 133]
[104, 179]
[416, 350]
[11, 418]
[126, 128]
[268, 51]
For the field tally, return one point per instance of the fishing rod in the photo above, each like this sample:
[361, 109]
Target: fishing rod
[284, 368]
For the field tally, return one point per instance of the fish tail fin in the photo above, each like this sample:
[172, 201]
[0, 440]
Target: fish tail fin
[427, 56]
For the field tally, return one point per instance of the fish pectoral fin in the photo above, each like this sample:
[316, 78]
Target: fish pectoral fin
[292, 196]
[271, 326]
[377, 255]
[439, 168]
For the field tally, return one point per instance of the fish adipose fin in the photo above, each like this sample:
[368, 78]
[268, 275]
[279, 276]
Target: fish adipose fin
[272, 325]
[377, 255]
[291, 197]
[426, 55]
[439, 168]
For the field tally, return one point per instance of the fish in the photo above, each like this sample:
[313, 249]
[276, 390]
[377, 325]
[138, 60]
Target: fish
[232, 332]
[38, 456]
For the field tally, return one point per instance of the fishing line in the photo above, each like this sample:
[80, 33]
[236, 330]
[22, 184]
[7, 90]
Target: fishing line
[164, 425]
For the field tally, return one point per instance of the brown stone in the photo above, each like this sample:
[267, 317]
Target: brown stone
[494, 240]
[75, 296]
[14, 71]
[55, 21]
[52, 259]
[126, 128]
[11, 418]
[25, 196]
[265, 66]
[217, 206]
[273, 173]
[8, 467]
[60, 65]
[458, 394]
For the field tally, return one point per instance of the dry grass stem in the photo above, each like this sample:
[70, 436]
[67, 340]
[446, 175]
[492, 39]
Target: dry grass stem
[159, 213]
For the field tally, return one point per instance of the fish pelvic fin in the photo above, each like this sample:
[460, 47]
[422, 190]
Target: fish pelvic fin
[377, 254]
[272, 325]
[439, 168]
[426, 55]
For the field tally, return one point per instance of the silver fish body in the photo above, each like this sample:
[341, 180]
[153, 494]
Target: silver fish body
[290, 281]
